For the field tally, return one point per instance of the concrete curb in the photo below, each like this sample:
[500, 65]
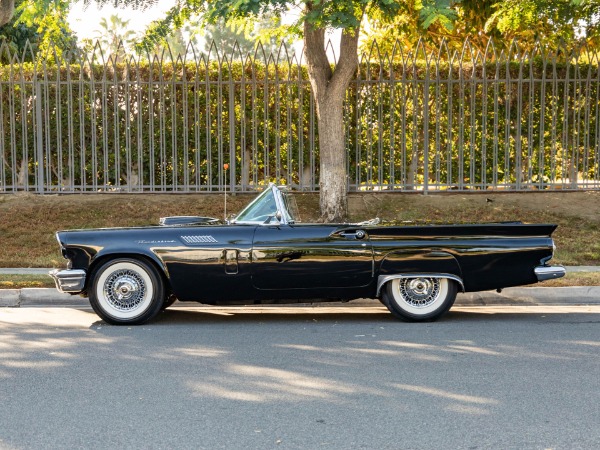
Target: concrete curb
[532, 296]
[10, 297]
[580, 295]
[38, 297]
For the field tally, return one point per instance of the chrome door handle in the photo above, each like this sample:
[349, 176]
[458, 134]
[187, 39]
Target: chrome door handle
[358, 234]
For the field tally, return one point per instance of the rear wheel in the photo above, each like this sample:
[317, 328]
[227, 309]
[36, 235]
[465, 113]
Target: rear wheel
[126, 291]
[419, 299]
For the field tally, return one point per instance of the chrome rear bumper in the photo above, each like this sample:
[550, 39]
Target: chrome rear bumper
[70, 281]
[544, 273]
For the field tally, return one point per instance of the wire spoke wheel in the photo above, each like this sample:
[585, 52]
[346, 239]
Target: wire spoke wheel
[419, 292]
[419, 298]
[126, 291]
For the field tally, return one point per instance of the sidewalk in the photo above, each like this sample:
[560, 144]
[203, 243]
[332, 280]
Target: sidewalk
[526, 296]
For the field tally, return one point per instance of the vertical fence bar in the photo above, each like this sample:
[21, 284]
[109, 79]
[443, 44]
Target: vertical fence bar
[461, 122]
[530, 183]
[290, 180]
[450, 135]
[185, 127]
[576, 123]
[14, 164]
[39, 140]
[438, 125]
[472, 121]
[3, 187]
[495, 168]
[174, 128]
[596, 144]
[222, 182]
[140, 126]
[586, 126]
[565, 172]
[484, 119]
[518, 121]
[542, 121]
[244, 157]
[24, 130]
[426, 126]
[162, 128]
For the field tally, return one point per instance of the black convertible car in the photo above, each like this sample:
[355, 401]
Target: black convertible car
[265, 256]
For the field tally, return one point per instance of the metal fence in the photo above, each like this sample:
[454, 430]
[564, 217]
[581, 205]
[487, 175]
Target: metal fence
[470, 120]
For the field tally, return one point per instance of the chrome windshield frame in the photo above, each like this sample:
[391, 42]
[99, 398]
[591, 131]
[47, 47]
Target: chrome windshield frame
[279, 204]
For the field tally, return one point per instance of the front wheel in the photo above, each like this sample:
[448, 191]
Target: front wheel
[126, 291]
[419, 299]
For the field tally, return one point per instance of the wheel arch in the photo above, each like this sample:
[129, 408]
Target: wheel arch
[412, 263]
[383, 279]
[151, 259]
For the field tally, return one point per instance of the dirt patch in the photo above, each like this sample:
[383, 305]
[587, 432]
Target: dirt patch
[584, 205]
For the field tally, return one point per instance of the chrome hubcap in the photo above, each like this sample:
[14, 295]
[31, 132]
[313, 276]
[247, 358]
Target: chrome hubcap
[124, 290]
[419, 292]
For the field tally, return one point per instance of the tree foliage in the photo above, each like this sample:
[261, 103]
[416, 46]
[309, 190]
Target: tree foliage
[18, 36]
[417, 21]
[551, 23]
[49, 20]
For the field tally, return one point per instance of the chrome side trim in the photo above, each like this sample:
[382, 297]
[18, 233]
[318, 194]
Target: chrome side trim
[385, 278]
[544, 273]
[69, 281]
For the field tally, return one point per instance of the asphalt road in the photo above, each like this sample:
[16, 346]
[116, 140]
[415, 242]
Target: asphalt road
[302, 378]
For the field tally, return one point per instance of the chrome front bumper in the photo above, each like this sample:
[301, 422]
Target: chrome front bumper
[70, 281]
[544, 273]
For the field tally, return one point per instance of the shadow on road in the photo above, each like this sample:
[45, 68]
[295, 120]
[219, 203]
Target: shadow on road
[372, 315]
[324, 377]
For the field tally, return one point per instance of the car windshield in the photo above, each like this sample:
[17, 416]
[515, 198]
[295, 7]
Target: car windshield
[266, 206]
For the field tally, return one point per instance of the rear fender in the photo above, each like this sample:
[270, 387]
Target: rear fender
[413, 264]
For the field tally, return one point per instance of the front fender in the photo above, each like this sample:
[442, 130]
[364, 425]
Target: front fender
[110, 253]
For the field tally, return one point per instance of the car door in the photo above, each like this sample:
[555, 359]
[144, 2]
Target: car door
[311, 257]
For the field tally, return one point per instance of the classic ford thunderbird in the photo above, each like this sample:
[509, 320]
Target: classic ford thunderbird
[265, 256]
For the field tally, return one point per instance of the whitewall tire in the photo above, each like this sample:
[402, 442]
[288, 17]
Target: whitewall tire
[419, 299]
[126, 291]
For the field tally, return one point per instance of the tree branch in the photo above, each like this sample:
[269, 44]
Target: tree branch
[347, 63]
[316, 58]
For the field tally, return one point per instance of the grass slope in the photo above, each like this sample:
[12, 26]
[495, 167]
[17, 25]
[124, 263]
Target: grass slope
[28, 222]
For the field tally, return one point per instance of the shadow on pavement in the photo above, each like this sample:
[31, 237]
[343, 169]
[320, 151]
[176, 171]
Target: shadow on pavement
[373, 315]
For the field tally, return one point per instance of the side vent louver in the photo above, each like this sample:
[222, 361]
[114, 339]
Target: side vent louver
[198, 239]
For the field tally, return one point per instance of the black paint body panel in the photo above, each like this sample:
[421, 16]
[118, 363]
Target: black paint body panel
[246, 264]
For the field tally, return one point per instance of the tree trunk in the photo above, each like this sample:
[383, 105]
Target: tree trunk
[7, 8]
[332, 156]
[329, 90]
